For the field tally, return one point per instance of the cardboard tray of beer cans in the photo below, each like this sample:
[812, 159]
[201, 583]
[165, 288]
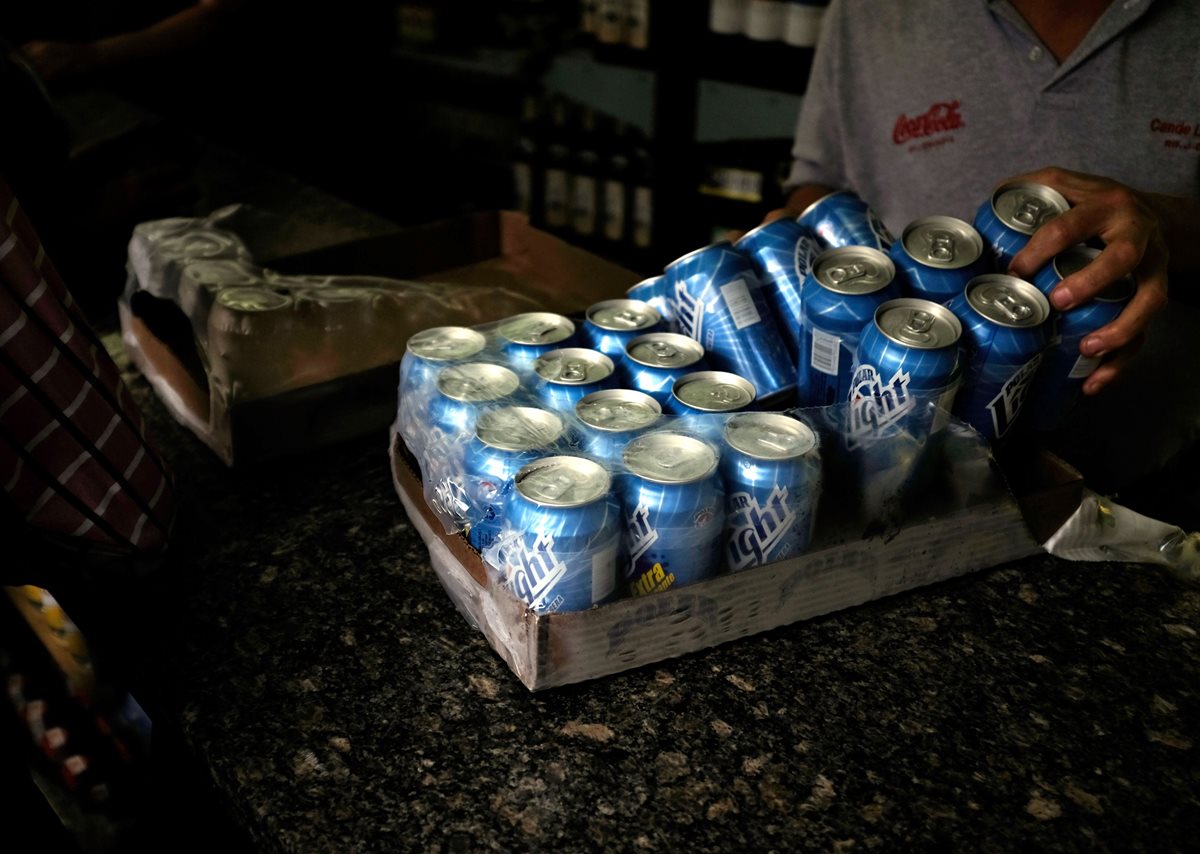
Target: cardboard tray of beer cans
[236, 345]
[945, 533]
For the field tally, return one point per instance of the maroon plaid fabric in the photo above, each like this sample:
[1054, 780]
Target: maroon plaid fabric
[75, 460]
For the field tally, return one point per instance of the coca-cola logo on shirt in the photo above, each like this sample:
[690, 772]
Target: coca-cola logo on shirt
[941, 117]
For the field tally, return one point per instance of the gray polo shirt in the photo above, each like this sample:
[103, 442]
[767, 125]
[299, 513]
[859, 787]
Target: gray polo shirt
[923, 106]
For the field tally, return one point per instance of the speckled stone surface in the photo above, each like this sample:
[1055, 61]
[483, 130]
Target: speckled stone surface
[339, 702]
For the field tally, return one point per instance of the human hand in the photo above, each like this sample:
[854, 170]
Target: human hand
[1125, 221]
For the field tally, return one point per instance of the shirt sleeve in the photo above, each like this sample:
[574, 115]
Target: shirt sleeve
[817, 146]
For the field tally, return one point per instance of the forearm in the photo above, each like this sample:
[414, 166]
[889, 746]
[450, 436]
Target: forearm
[803, 196]
[181, 31]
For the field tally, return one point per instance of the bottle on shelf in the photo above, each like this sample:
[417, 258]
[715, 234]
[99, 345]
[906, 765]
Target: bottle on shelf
[589, 18]
[642, 214]
[583, 176]
[637, 24]
[526, 163]
[616, 187]
[610, 25]
[555, 187]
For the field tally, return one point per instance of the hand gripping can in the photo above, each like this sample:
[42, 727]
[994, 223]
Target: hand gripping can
[612, 418]
[506, 439]
[561, 539]
[654, 292]
[840, 296]
[610, 325]
[843, 219]
[1004, 333]
[461, 391]
[674, 508]
[936, 256]
[426, 353]
[524, 337]
[564, 377]
[1008, 218]
[771, 465]
[653, 362]
[719, 301]
[1060, 378]
[782, 253]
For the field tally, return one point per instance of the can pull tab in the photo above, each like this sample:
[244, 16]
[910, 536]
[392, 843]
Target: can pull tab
[628, 318]
[940, 246]
[849, 272]
[664, 351]
[537, 333]
[573, 371]
[725, 394]
[1029, 210]
[1007, 303]
[917, 330]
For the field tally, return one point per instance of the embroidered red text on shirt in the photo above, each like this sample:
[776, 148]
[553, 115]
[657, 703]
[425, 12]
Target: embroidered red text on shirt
[939, 118]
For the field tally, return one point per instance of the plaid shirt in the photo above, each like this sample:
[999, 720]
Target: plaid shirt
[75, 459]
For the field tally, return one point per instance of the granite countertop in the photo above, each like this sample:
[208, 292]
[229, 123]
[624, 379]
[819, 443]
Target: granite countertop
[321, 677]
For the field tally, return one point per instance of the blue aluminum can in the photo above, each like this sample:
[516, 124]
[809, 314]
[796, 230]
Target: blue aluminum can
[719, 301]
[1005, 330]
[674, 507]
[653, 362]
[461, 391]
[907, 359]
[564, 377]
[426, 353]
[560, 547]
[1012, 214]
[506, 439]
[771, 465]
[524, 337]
[655, 292]
[611, 418]
[840, 296]
[843, 219]
[1060, 378]
[702, 401]
[610, 325]
[936, 256]
[782, 253]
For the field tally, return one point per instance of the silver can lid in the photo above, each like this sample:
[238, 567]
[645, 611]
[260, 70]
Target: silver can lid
[616, 410]
[536, 327]
[1007, 300]
[942, 242]
[918, 323]
[623, 315]
[252, 299]
[665, 350]
[221, 271]
[714, 391]
[518, 428]
[475, 382]
[1025, 206]
[668, 457]
[854, 270]
[446, 343]
[563, 481]
[573, 366]
[769, 435]
[1077, 257]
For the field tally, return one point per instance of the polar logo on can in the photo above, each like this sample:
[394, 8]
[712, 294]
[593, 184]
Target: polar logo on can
[761, 528]
[875, 404]
[536, 572]
[806, 250]
[642, 535]
[1006, 405]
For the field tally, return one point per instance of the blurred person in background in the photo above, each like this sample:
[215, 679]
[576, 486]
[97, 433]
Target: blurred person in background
[923, 108]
